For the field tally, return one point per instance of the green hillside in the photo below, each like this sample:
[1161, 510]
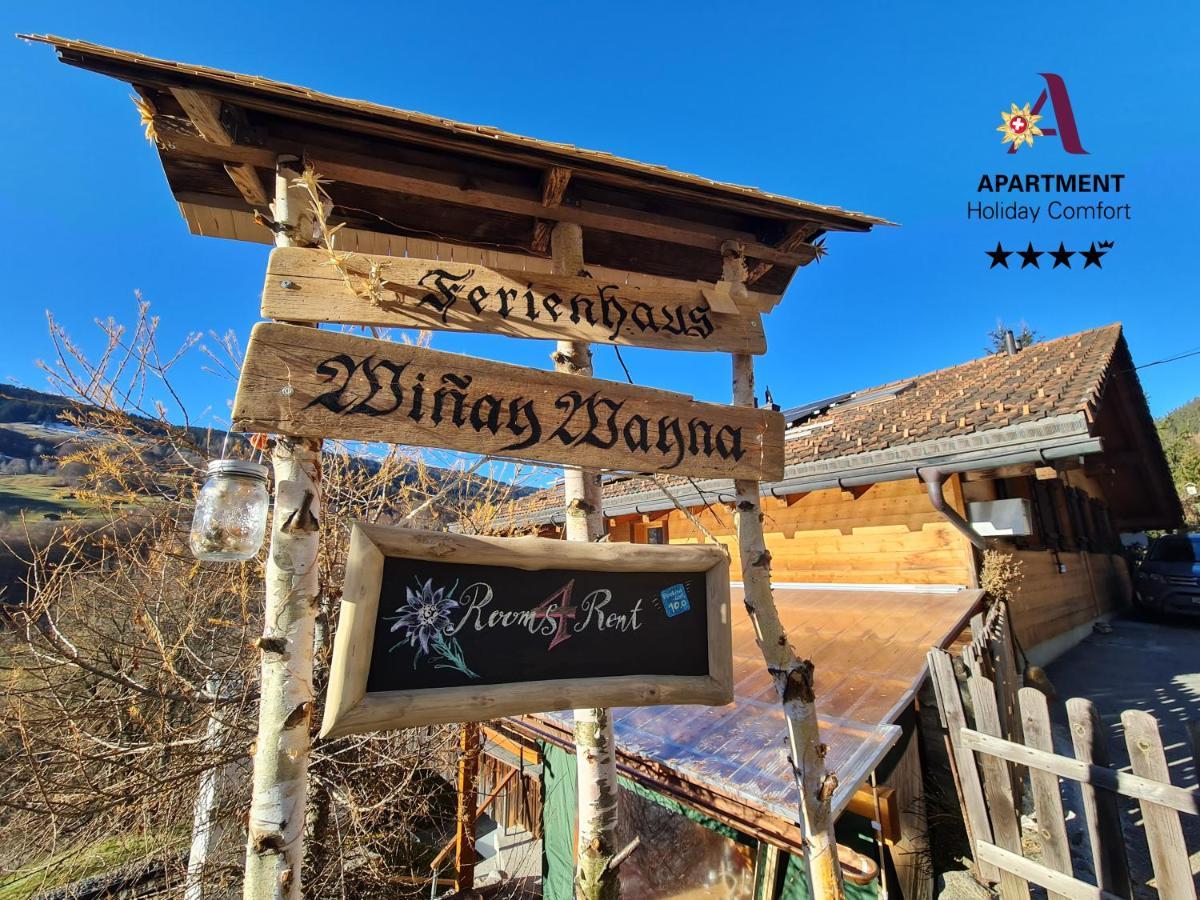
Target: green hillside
[1179, 431]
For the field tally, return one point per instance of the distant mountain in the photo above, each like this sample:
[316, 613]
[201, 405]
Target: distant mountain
[33, 434]
[18, 404]
[24, 406]
[38, 491]
[1184, 421]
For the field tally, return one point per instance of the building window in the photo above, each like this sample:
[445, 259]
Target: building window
[1047, 515]
[656, 534]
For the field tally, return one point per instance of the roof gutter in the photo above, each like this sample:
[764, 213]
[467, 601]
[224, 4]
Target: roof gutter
[1084, 446]
[935, 483]
[1040, 443]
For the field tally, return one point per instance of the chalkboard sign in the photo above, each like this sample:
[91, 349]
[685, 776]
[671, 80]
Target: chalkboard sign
[438, 627]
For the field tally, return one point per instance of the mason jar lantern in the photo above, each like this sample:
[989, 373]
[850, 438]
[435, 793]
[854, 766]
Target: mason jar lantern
[231, 511]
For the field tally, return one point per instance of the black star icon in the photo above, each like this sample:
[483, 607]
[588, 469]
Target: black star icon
[1062, 256]
[1029, 256]
[1092, 256]
[999, 256]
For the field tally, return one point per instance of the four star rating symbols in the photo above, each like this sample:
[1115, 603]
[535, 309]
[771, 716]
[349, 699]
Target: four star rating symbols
[1061, 256]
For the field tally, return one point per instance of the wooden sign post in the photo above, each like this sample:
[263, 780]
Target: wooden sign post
[595, 741]
[279, 794]
[438, 627]
[793, 677]
[314, 383]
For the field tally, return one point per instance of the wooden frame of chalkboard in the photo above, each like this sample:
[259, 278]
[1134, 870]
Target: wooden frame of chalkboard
[598, 648]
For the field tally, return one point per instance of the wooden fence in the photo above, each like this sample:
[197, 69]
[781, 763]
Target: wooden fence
[1007, 749]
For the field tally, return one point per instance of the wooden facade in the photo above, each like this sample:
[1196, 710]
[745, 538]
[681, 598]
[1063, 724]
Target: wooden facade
[883, 533]
[1072, 569]
[1052, 601]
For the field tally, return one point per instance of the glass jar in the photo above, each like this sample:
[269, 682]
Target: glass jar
[231, 511]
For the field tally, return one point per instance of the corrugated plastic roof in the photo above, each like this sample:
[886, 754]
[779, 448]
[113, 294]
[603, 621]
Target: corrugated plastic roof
[868, 648]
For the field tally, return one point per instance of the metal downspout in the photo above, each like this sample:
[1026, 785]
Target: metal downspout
[935, 480]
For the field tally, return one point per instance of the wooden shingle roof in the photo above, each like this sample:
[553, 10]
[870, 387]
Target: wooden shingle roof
[1051, 379]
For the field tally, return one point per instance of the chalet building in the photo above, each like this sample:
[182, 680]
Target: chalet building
[877, 536]
[1048, 453]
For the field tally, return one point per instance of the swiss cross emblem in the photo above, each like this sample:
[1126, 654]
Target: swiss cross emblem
[1020, 125]
[1021, 122]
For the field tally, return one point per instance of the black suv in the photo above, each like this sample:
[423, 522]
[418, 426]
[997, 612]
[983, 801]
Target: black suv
[1168, 580]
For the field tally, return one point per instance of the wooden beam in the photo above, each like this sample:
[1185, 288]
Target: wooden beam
[432, 184]
[863, 803]
[540, 242]
[1028, 870]
[223, 216]
[595, 740]
[205, 112]
[554, 185]
[386, 176]
[997, 785]
[1047, 803]
[279, 794]
[480, 142]
[528, 756]
[464, 833]
[1164, 834]
[1184, 800]
[249, 185]
[797, 237]
[483, 807]
[1100, 808]
[793, 678]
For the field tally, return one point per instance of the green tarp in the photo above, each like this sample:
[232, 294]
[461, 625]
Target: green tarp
[558, 823]
[558, 833]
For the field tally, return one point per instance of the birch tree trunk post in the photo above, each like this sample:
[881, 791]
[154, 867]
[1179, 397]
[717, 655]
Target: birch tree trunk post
[274, 846]
[793, 677]
[595, 752]
[207, 828]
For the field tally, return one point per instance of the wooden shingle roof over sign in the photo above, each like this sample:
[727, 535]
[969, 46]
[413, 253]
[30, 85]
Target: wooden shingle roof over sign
[395, 172]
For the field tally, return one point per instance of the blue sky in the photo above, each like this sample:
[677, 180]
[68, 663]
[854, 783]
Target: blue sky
[889, 109]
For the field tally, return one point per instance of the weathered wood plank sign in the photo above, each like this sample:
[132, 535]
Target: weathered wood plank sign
[438, 627]
[312, 383]
[303, 285]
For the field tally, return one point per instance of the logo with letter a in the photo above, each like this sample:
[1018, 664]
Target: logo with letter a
[1021, 123]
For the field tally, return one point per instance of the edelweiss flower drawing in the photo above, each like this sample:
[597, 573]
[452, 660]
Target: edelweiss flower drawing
[423, 621]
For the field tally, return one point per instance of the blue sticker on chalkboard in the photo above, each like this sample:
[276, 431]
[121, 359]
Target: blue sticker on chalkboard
[675, 600]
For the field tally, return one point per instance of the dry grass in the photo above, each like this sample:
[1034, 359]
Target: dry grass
[128, 649]
[1001, 574]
